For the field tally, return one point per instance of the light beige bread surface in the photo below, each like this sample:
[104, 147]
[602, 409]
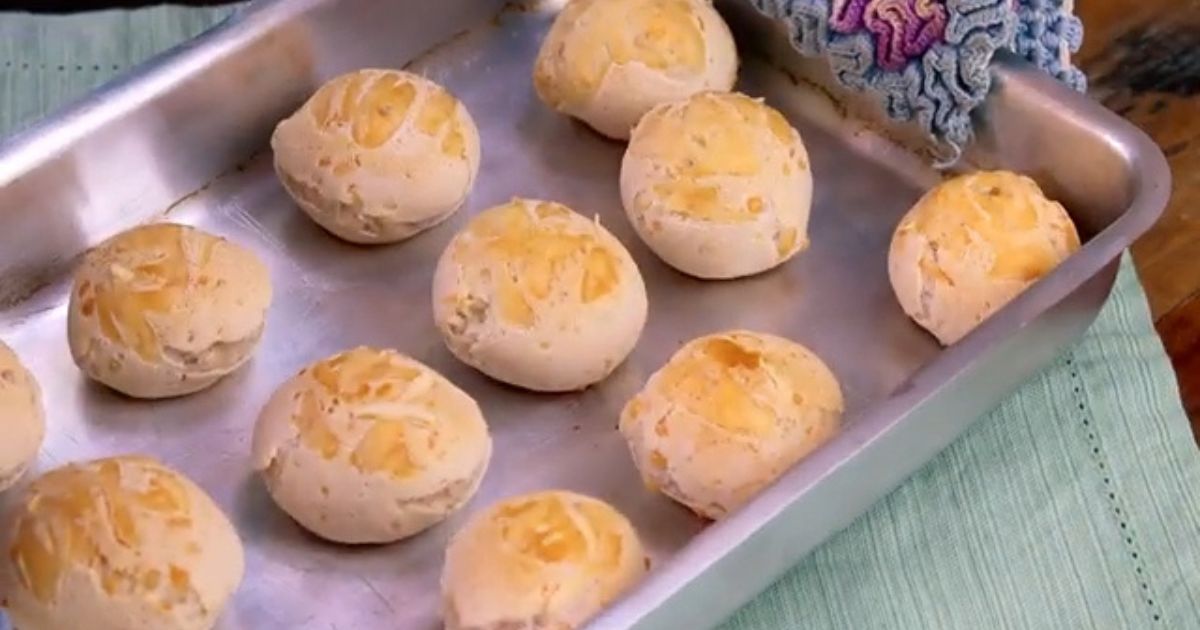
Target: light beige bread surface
[370, 446]
[22, 418]
[376, 156]
[542, 561]
[718, 185]
[608, 62]
[123, 543]
[535, 295]
[727, 415]
[971, 245]
[165, 310]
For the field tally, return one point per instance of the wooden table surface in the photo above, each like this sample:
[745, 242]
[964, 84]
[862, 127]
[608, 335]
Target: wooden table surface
[1143, 59]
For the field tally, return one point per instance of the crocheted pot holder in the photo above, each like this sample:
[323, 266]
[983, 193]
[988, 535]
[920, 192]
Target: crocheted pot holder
[926, 61]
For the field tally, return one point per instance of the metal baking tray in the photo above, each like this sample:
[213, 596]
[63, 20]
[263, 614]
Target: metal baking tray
[185, 136]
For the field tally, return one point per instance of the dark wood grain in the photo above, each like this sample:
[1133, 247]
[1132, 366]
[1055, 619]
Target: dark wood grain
[1143, 59]
[1180, 329]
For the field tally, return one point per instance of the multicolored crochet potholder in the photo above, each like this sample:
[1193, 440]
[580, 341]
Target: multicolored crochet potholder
[927, 61]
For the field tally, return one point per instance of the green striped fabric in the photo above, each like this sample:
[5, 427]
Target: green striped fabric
[1075, 504]
[46, 61]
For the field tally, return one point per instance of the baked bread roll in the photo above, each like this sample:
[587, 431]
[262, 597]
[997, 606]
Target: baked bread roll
[727, 415]
[165, 310]
[607, 62]
[376, 156]
[122, 543]
[971, 245]
[543, 561]
[22, 418]
[718, 185]
[370, 446]
[535, 295]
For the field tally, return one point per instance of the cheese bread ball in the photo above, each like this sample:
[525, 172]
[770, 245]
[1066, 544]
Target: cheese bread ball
[22, 418]
[607, 62]
[370, 446]
[719, 185]
[118, 544]
[543, 561]
[165, 310]
[727, 415]
[376, 156]
[535, 295]
[972, 244]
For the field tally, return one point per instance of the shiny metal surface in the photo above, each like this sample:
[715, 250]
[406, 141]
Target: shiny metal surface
[131, 151]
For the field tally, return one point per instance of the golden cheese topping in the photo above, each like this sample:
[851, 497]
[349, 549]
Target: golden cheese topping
[738, 384]
[1004, 212]
[552, 528]
[608, 62]
[152, 271]
[166, 310]
[539, 250]
[718, 379]
[370, 446]
[727, 415]
[388, 403]
[718, 185]
[537, 296]
[374, 105]
[548, 559]
[376, 156]
[972, 244]
[695, 146]
[664, 35]
[134, 524]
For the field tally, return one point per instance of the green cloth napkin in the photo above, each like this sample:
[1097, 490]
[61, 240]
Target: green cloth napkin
[1075, 504]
